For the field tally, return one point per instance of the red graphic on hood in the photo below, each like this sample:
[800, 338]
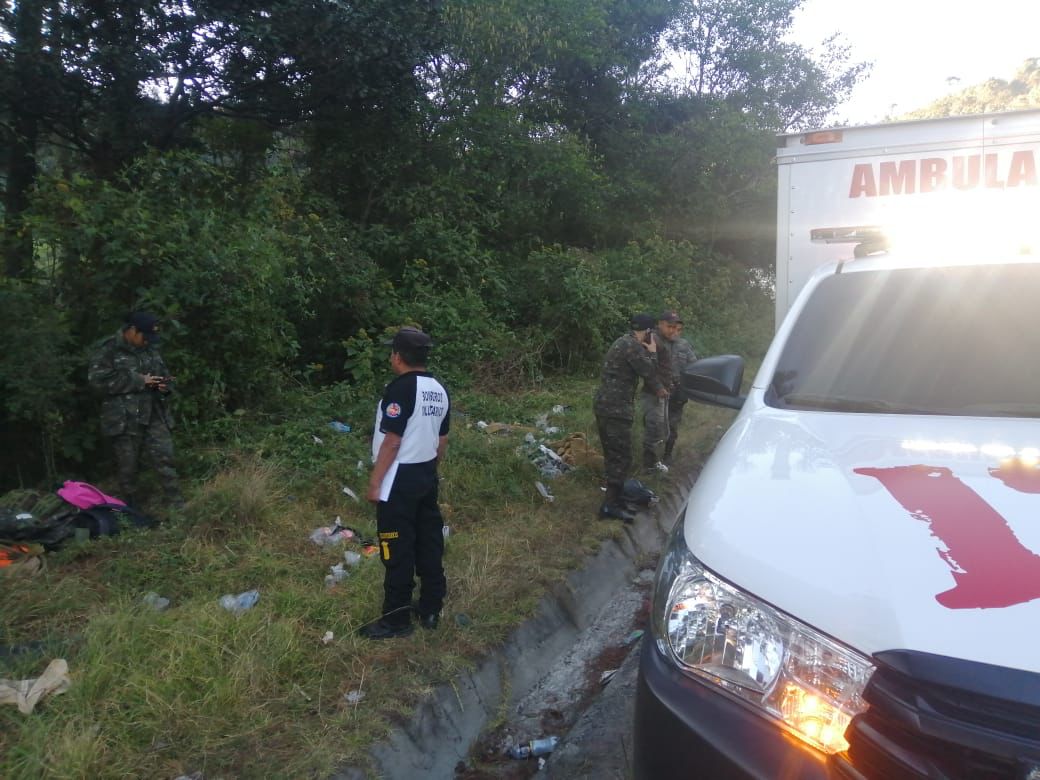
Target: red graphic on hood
[989, 564]
[1018, 476]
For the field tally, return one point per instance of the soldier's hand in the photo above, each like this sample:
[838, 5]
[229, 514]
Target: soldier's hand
[663, 393]
[651, 346]
[151, 380]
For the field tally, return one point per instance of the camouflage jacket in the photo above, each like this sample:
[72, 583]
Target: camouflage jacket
[117, 370]
[664, 366]
[683, 356]
[625, 362]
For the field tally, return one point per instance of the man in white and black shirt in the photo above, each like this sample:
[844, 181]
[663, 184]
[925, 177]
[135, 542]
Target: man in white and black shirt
[411, 434]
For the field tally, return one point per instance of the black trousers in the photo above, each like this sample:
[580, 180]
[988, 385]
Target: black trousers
[411, 542]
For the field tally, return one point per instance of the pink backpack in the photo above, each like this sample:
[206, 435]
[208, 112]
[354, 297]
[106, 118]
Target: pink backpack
[85, 496]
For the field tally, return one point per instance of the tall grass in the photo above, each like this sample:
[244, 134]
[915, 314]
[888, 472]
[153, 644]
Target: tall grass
[259, 695]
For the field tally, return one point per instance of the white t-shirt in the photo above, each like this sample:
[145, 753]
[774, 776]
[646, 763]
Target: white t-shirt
[416, 407]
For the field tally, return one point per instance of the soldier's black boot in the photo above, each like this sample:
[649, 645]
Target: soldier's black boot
[613, 508]
[668, 447]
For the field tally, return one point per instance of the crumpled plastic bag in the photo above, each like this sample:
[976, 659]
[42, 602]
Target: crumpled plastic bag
[26, 693]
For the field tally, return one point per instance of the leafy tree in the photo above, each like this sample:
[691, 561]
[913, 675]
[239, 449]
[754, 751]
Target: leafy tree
[736, 50]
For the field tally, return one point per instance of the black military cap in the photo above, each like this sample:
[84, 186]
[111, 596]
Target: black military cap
[670, 316]
[643, 321]
[410, 338]
[146, 323]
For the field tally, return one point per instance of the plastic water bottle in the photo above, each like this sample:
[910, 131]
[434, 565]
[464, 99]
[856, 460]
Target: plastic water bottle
[541, 747]
[339, 427]
[240, 603]
[536, 747]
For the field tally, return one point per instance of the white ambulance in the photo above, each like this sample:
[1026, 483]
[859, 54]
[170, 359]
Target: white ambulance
[854, 588]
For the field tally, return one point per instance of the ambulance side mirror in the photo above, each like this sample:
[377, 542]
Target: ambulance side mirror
[715, 380]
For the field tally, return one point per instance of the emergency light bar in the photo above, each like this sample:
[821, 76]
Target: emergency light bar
[867, 238]
[847, 235]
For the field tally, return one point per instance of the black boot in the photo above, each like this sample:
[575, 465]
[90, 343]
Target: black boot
[668, 447]
[613, 508]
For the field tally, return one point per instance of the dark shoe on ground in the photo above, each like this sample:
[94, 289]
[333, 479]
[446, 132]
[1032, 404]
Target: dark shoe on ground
[381, 629]
[430, 622]
[615, 512]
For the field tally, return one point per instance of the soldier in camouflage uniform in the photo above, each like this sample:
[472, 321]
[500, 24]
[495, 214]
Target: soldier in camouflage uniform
[632, 356]
[683, 357]
[654, 406]
[128, 369]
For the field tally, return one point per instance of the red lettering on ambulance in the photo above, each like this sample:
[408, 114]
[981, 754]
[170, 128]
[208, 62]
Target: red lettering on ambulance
[992, 180]
[863, 181]
[1023, 169]
[898, 178]
[966, 180]
[990, 566]
[933, 174]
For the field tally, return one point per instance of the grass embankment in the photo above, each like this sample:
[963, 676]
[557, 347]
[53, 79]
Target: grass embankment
[259, 695]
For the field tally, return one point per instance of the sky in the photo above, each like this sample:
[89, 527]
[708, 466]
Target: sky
[917, 45]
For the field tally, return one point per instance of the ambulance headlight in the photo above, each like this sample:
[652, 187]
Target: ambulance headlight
[811, 685]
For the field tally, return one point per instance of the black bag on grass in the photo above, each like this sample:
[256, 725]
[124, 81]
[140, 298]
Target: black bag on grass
[108, 519]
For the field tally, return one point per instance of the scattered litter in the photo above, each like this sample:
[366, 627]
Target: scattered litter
[155, 601]
[339, 427]
[482, 425]
[348, 492]
[560, 409]
[607, 676]
[240, 603]
[316, 439]
[541, 763]
[327, 637]
[334, 534]
[634, 636]
[369, 550]
[462, 619]
[534, 748]
[545, 492]
[195, 775]
[27, 693]
[445, 531]
[360, 465]
[351, 558]
[663, 468]
[354, 697]
[297, 689]
[336, 574]
[549, 463]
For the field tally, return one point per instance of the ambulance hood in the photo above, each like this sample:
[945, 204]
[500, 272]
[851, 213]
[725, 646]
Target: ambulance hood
[887, 532]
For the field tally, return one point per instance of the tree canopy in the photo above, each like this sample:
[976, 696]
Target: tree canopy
[284, 179]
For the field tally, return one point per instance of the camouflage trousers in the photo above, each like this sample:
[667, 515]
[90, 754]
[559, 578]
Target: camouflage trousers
[655, 425]
[615, 436]
[156, 443]
[675, 411]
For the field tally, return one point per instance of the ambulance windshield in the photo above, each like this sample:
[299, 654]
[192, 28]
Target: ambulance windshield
[958, 340]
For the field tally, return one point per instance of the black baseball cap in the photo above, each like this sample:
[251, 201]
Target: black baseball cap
[146, 323]
[642, 321]
[410, 338]
[670, 316]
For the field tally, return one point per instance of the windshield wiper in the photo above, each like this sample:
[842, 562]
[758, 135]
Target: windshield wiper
[833, 403]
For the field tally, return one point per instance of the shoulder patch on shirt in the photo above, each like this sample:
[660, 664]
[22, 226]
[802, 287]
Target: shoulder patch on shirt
[393, 410]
